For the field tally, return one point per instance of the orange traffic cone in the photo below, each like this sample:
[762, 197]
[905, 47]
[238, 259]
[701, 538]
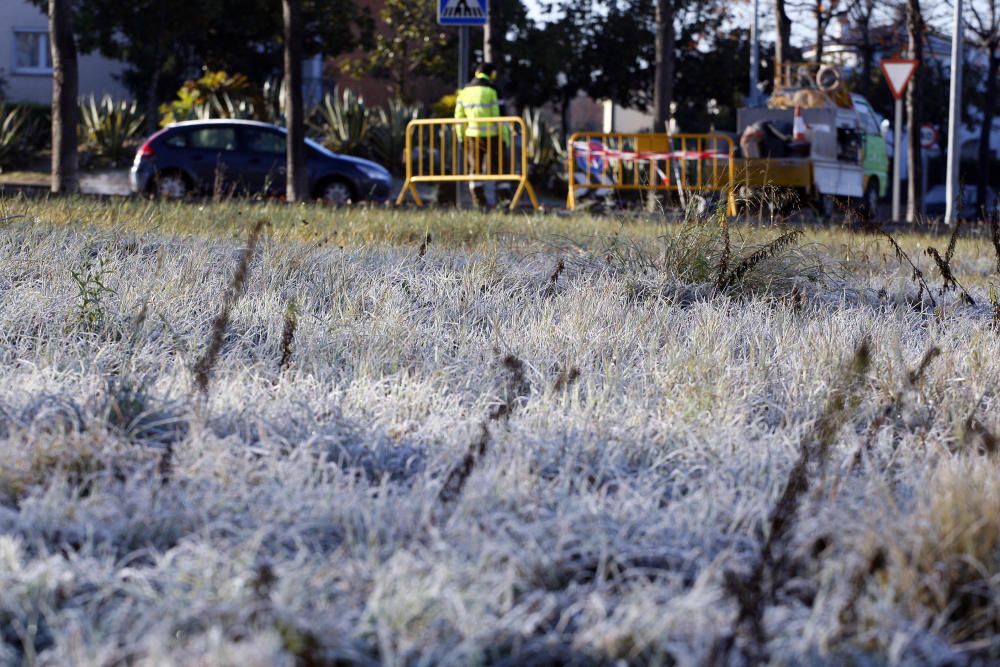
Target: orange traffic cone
[799, 126]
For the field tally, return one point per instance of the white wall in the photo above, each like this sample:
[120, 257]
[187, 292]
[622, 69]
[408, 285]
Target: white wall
[97, 74]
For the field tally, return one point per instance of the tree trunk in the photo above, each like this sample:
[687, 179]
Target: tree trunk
[782, 42]
[914, 110]
[663, 92]
[989, 110]
[493, 35]
[65, 90]
[564, 116]
[295, 178]
[820, 30]
[867, 59]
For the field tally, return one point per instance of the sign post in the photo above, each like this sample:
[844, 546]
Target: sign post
[463, 14]
[954, 113]
[897, 72]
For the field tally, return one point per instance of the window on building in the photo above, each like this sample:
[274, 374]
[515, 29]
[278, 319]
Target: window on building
[31, 52]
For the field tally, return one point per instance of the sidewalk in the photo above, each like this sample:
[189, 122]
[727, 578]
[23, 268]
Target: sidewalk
[109, 182]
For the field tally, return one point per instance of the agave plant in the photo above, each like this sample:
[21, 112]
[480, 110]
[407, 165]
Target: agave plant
[110, 127]
[343, 122]
[14, 126]
[273, 101]
[546, 152]
[388, 137]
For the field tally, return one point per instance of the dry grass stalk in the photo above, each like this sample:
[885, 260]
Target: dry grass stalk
[944, 266]
[203, 367]
[288, 333]
[566, 377]
[770, 570]
[517, 386]
[423, 245]
[748, 263]
[893, 406]
[995, 302]
[722, 276]
[995, 236]
[550, 287]
[918, 275]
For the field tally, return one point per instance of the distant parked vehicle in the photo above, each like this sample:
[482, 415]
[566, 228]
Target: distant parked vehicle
[246, 157]
[935, 201]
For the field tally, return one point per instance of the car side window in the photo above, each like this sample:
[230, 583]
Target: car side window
[263, 141]
[177, 141]
[213, 138]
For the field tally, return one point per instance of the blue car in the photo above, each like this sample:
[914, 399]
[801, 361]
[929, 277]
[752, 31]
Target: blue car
[246, 157]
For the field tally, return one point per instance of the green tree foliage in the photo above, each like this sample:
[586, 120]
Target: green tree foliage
[164, 43]
[604, 49]
[409, 44]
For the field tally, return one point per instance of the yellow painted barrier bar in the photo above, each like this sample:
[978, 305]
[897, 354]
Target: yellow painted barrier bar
[466, 155]
[658, 162]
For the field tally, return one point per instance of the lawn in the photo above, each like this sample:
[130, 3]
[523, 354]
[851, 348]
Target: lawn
[372, 436]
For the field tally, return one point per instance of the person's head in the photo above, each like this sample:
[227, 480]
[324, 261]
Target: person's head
[487, 70]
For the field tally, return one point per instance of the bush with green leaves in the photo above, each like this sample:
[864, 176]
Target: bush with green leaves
[546, 152]
[388, 137]
[13, 123]
[111, 127]
[215, 95]
[342, 122]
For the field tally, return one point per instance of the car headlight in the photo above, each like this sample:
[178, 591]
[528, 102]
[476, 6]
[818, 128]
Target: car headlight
[374, 172]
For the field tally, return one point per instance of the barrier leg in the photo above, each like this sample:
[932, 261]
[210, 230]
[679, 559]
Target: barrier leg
[531, 194]
[402, 193]
[412, 189]
[516, 199]
[416, 197]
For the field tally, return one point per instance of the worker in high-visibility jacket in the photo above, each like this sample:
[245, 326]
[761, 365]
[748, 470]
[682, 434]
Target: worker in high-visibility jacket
[484, 144]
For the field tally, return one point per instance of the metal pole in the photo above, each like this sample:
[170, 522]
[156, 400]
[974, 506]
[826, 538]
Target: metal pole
[463, 78]
[897, 159]
[463, 56]
[754, 95]
[954, 117]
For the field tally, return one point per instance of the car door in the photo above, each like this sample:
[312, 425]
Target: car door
[265, 159]
[213, 157]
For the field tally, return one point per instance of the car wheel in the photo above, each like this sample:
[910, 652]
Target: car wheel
[336, 192]
[869, 206]
[827, 206]
[171, 186]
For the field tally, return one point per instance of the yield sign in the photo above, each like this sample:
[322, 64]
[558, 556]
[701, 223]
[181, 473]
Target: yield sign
[898, 72]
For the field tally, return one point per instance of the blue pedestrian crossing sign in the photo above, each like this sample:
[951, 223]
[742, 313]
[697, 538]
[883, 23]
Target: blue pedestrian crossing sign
[463, 12]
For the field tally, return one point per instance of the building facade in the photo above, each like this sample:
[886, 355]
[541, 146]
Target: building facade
[26, 64]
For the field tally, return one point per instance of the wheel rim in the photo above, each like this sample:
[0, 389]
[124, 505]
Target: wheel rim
[336, 192]
[171, 186]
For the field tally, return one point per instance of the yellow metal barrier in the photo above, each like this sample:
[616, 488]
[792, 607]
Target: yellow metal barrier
[440, 156]
[679, 163]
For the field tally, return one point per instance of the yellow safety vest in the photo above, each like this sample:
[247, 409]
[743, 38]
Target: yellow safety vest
[479, 99]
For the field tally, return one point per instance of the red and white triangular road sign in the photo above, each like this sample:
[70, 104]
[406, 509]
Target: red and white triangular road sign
[898, 72]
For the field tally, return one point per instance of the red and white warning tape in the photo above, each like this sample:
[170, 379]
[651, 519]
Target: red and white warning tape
[597, 150]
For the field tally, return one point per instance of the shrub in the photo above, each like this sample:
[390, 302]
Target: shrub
[214, 95]
[546, 152]
[342, 122]
[388, 137]
[110, 128]
[13, 122]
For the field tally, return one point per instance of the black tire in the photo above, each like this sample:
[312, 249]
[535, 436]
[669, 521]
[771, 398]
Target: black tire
[336, 191]
[171, 185]
[869, 203]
